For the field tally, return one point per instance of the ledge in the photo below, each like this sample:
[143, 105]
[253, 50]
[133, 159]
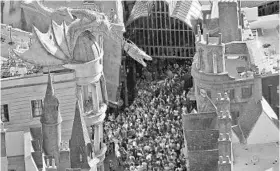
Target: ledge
[118, 26]
[101, 154]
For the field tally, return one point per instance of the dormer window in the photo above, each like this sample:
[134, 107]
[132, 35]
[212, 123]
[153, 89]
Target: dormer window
[231, 94]
[247, 92]
[208, 93]
[37, 108]
[4, 113]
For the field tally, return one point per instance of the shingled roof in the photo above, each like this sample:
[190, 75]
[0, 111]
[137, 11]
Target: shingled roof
[251, 4]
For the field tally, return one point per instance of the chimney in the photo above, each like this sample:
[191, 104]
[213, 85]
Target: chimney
[224, 126]
[50, 164]
[229, 21]
[64, 157]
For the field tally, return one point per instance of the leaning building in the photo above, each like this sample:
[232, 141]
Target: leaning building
[234, 127]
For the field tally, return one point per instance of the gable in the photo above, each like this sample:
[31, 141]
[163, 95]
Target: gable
[264, 131]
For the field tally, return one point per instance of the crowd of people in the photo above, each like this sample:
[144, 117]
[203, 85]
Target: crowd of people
[148, 134]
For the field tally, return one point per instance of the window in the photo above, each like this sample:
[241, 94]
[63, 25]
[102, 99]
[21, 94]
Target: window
[246, 92]
[37, 108]
[4, 113]
[231, 94]
[209, 93]
[235, 116]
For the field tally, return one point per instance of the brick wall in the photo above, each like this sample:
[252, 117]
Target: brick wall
[203, 160]
[202, 140]
[199, 121]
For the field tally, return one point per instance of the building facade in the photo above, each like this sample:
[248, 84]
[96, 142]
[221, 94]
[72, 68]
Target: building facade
[22, 15]
[226, 62]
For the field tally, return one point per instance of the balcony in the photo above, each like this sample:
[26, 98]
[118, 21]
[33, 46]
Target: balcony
[101, 153]
[95, 117]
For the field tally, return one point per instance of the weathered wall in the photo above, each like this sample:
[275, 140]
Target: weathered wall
[203, 160]
[228, 21]
[16, 163]
[272, 97]
[19, 92]
[200, 121]
[202, 140]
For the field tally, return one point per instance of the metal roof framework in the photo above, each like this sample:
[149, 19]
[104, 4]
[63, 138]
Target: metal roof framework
[160, 35]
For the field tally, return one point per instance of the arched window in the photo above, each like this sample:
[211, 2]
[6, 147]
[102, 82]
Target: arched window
[160, 35]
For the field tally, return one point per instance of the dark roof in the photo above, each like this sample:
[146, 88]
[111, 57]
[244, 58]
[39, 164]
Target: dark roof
[244, 4]
[238, 132]
[79, 130]
[248, 120]
[251, 4]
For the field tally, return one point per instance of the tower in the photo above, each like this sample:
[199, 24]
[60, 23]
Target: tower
[224, 126]
[229, 20]
[51, 123]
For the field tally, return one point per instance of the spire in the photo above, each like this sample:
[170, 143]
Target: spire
[79, 130]
[51, 112]
[80, 143]
[50, 90]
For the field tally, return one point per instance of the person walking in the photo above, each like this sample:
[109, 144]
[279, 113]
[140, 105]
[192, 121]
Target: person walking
[111, 166]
